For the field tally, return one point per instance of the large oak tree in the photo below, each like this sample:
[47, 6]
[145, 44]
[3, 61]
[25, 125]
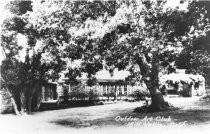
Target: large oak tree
[143, 37]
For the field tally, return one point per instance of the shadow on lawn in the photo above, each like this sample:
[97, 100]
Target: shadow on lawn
[79, 123]
[191, 117]
[200, 114]
[197, 113]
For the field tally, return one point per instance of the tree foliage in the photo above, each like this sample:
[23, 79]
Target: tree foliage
[197, 54]
[143, 37]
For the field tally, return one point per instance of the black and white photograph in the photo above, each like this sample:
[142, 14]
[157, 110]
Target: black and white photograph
[104, 66]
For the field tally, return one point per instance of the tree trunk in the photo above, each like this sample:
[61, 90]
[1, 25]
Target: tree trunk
[14, 104]
[23, 101]
[32, 88]
[158, 102]
[39, 100]
[29, 104]
[150, 73]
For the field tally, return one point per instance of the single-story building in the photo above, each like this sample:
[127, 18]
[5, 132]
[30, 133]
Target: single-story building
[174, 83]
[106, 84]
[179, 82]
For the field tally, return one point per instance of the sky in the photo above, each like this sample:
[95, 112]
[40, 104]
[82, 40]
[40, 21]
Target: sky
[175, 3]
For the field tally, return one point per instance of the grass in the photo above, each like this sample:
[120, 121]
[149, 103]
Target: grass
[196, 113]
[192, 115]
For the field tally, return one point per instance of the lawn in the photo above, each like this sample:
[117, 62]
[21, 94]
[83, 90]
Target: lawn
[192, 115]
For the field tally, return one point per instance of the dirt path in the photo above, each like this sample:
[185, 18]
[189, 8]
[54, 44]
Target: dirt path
[193, 115]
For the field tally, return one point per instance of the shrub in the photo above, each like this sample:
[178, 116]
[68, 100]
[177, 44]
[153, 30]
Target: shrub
[111, 94]
[93, 95]
[5, 104]
[78, 92]
[140, 94]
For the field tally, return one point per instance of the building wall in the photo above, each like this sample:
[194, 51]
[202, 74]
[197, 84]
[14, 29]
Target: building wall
[50, 92]
[103, 89]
